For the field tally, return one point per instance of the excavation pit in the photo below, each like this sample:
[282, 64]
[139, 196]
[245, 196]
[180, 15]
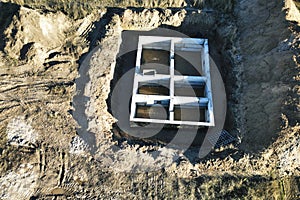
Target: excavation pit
[189, 86]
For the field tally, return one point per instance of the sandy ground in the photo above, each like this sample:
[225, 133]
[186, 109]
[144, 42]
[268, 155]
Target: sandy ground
[59, 140]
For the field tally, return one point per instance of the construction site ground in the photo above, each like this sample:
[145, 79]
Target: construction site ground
[59, 139]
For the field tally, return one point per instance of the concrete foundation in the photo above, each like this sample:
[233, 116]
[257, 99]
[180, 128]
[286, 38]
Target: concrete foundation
[172, 82]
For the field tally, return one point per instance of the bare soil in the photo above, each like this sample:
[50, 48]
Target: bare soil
[60, 140]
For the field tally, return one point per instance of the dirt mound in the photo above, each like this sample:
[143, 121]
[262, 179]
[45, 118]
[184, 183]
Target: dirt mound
[81, 9]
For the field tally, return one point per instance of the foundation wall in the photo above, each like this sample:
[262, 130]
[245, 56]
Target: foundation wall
[172, 82]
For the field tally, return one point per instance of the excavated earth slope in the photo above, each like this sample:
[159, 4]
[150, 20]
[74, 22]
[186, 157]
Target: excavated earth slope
[58, 138]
